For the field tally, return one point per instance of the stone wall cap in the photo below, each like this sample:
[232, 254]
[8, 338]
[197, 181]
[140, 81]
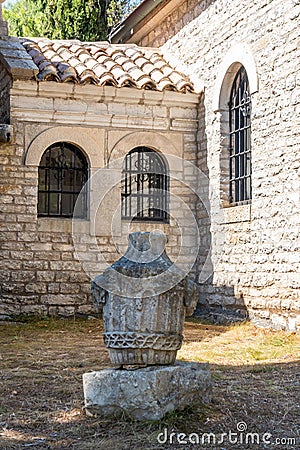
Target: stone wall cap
[16, 60]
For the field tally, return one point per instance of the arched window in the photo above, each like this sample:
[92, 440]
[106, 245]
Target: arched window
[240, 139]
[145, 186]
[63, 172]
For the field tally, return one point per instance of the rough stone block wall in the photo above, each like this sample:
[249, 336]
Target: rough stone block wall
[255, 249]
[174, 22]
[38, 271]
[45, 266]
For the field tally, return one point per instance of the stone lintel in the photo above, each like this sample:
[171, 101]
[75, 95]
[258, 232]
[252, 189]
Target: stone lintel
[147, 393]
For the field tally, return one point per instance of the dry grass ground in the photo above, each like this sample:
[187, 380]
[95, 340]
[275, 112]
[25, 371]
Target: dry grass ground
[255, 374]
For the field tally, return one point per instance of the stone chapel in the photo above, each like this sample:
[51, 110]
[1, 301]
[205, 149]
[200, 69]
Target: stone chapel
[187, 120]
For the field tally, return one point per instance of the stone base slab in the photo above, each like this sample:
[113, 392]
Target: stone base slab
[146, 393]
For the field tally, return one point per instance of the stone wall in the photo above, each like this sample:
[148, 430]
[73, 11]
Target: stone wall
[168, 27]
[255, 248]
[47, 263]
[249, 255]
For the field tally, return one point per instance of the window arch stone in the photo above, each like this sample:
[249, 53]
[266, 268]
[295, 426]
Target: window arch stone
[239, 55]
[89, 140]
[168, 144]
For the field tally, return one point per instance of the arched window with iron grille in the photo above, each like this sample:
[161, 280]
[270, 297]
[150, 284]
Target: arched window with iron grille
[240, 140]
[145, 186]
[63, 172]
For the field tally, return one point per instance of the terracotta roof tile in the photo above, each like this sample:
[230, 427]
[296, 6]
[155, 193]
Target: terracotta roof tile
[99, 70]
[102, 63]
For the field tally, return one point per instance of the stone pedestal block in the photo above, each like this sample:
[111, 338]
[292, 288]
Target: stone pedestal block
[146, 393]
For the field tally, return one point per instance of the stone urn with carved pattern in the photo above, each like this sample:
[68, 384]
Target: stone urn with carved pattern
[145, 298]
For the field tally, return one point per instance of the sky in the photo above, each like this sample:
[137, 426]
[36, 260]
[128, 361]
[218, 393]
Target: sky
[9, 1]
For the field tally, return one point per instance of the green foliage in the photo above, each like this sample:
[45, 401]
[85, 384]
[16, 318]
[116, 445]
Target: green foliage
[87, 20]
[25, 18]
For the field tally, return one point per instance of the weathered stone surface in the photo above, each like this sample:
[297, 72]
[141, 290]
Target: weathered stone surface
[16, 60]
[6, 132]
[145, 298]
[148, 393]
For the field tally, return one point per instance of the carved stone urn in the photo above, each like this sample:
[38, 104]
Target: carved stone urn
[145, 298]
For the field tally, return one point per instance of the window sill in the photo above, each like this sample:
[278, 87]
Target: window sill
[60, 224]
[237, 213]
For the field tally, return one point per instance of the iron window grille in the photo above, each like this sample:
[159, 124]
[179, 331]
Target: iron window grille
[145, 186]
[240, 140]
[63, 173]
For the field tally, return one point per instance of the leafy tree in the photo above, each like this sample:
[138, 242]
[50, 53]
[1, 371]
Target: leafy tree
[25, 18]
[87, 20]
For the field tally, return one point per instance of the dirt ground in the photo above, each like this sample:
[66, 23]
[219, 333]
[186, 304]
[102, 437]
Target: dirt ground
[256, 390]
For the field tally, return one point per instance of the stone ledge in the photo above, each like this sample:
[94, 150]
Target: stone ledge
[146, 393]
[238, 213]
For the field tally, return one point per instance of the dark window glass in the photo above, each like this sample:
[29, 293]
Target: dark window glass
[63, 172]
[240, 134]
[145, 186]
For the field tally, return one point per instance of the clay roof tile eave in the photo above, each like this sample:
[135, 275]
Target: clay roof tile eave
[102, 63]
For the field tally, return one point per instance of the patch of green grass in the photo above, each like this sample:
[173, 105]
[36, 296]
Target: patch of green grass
[243, 344]
[256, 354]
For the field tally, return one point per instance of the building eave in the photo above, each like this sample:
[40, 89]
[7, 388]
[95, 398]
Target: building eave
[142, 20]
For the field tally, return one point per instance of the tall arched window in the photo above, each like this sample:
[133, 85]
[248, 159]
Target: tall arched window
[145, 186]
[63, 172]
[240, 139]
